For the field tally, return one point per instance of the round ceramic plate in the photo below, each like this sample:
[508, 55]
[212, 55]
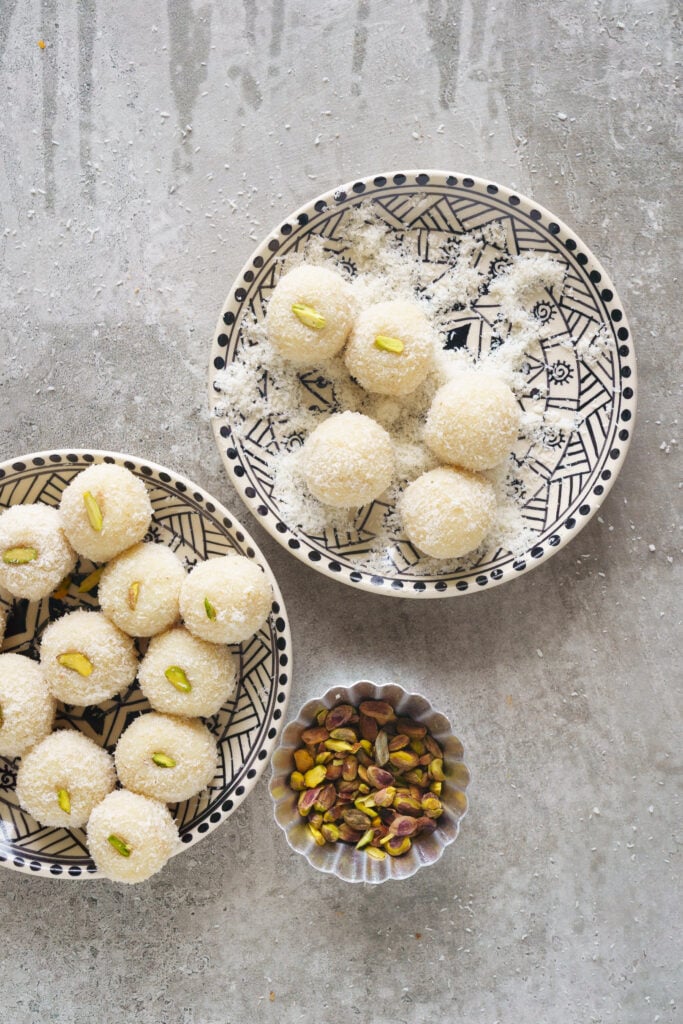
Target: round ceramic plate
[195, 526]
[580, 368]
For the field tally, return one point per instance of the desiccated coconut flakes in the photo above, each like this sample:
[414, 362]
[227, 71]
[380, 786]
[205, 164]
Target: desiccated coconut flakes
[388, 265]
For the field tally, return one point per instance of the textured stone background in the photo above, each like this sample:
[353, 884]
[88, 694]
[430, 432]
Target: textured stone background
[144, 152]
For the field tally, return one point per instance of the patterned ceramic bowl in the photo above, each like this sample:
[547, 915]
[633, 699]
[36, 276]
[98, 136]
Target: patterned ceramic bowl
[195, 526]
[579, 376]
[344, 860]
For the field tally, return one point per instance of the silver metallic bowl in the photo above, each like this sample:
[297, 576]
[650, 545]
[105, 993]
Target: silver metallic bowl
[341, 859]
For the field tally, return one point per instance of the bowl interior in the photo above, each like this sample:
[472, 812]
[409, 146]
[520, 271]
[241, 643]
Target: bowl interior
[344, 860]
[579, 376]
[193, 525]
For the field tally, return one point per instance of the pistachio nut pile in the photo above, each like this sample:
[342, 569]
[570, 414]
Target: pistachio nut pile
[368, 778]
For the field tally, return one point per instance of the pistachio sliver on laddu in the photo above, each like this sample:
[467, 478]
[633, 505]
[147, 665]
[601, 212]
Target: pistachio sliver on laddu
[64, 800]
[163, 760]
[77, 662]
[119, 845]
[19, 556]
[308, 316]
[387, 344]
[94, 511]
[176, 677]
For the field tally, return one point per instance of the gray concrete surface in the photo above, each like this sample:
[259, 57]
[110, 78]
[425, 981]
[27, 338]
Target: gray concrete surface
[144, 152]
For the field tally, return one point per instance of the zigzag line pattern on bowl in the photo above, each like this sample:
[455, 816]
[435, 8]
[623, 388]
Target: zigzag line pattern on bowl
[195, 527]
[561, 484]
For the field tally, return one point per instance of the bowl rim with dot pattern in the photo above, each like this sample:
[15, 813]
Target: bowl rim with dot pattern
[567, 498]
[189, 520]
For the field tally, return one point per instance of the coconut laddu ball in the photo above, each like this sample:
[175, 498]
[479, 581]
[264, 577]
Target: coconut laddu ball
[131, 837]
[473, 421]
[448, 512]
[104, 510]
[391, 348]
[348, 460]
[170, 759]
[86, 658]
[140, 589]
[183, 675]
[27, 708]
[310, 314]
[63, 778]
[35, 554]
[226, 600]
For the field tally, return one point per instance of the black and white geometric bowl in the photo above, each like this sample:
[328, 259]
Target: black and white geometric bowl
[341, 859]
[195, 526]
[560, 483]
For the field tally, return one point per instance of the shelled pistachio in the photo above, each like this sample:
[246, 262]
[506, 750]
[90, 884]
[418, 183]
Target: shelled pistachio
[366, 777]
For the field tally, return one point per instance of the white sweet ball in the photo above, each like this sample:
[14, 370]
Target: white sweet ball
[348, 460]
[140, 589]
[448, 512]
[384, 371]
[327, 296]
[123, 504]
[226, 600]
[86, 658]
[170, 759]
[473, 421]
[69, 766]
[27, 709]
[201, 677]
[131, 837]
[35, 554]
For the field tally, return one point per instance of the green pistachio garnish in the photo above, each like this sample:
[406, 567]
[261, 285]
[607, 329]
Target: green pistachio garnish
[176, 677]
[361, 776]
[209, 609]
[94, 511]
[64, 800]
[91, 581]
[397, 845]
[314, 776]
[316, 833]
[387, 344]
[308, 316]
[365, 838]
[330, 832]
[133, 594]
[163, 760]
[19, 556]
[62, 590]
[338, 746]
[77, 662]
[119, 845]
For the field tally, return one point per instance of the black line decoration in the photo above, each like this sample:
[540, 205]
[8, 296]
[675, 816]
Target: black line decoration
[565, 481]
[195, 526]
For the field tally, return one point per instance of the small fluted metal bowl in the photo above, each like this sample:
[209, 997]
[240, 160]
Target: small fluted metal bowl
[342, 859]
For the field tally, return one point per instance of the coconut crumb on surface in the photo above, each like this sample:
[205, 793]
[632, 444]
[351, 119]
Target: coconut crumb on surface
[472, 273]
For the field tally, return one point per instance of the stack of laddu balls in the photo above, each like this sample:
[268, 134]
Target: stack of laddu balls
[165, 756]
[389, 349]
